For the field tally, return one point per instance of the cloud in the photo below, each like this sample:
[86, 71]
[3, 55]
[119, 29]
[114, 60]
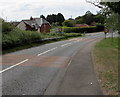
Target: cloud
[20, 9]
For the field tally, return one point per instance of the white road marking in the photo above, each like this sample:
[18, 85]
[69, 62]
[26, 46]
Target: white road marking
[14, 65]
[76, 41]
[65, 44]
[47, 51]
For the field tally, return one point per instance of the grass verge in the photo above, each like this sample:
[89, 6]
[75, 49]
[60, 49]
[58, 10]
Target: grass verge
[106, 58]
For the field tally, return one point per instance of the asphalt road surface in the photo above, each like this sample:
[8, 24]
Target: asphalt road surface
[49, 69]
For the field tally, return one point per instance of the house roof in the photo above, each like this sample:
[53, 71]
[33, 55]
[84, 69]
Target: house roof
[15, 23]
[36, 22]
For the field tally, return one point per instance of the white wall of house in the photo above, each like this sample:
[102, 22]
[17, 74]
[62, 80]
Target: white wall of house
[21, 26]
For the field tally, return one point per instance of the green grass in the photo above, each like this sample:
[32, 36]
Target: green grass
[106, 64]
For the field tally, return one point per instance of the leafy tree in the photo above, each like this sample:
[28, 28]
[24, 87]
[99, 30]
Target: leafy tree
[88, 18]
[80, 21]
[112, 12]
[54, 18]
[114, 6]
[99, 18]
[68, 23]
[42, 16]
[60, 18]
[7, 27]
[79, 17]
[49, 19]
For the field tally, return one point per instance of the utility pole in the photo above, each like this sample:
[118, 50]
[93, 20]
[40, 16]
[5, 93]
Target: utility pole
[6, 19]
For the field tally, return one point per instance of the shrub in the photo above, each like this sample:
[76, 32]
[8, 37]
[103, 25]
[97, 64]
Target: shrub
[79, 29]
[68, 23]
[19, 37]
[100, 27]
[7, 27]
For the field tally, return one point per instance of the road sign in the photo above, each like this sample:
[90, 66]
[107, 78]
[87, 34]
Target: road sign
[60, 29]
[106, 30]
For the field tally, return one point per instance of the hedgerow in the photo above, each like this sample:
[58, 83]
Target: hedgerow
[83, 29]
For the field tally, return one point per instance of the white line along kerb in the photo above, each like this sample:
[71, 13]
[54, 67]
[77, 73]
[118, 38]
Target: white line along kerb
[47, 51]
[14, 65]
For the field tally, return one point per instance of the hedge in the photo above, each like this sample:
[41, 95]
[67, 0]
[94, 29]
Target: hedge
[18, 37]
[83, 29]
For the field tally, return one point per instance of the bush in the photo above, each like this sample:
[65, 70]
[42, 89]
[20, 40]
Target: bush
[19, 37]
[68, 23]
[79, 29]
[7, 27]
[100, 27]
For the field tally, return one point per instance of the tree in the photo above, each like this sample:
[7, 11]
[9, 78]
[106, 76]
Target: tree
[79, 17]
[88, 18]
[42, 16]
[60, 18]
[68, 23]
[80, 21]
[99, 18]
[111, 10]
[7, 27]
[49, 19]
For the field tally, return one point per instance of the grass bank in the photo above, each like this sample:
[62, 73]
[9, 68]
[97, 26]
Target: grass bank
[106, 58]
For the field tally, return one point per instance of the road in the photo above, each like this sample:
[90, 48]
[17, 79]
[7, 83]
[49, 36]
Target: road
[41, 70]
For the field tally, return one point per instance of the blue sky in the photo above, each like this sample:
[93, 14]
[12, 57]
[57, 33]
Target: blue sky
[16, 10]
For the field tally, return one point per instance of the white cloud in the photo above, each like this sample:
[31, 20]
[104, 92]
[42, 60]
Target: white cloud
[18, 10]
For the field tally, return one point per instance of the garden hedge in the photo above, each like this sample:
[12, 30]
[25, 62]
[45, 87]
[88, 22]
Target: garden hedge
[83, 29]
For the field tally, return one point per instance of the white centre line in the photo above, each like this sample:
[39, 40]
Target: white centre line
[65, 44]
[47, 51]
[14, 65]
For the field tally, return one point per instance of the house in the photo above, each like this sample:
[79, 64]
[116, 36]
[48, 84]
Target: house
[15, 23]
[35, 24]
[81, 25]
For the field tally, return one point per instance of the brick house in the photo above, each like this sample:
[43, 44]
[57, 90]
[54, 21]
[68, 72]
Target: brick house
[35, 24]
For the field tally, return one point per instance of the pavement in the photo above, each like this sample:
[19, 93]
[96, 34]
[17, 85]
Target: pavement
[80, 78]
[59, 68]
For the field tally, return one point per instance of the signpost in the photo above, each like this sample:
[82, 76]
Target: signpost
[106, 30]
[60, 30]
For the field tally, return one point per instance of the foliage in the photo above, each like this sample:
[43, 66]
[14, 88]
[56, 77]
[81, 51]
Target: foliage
[112, 12]
[99, 27]
[42, 16]
[113, 6]
[13, 37]
[19, 37]
[55, 18]
[60, 18]
[7, 27]
[113, 21]
[79, 29]
[89, 18]
[68, 23]
[79, 21]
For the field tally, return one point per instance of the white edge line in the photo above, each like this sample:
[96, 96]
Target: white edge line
[14, 65]
[65, 44]
[47, 51]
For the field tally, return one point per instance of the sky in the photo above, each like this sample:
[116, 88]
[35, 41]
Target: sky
[17, 10]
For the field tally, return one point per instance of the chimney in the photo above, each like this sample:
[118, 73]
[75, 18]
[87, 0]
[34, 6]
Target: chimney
[31, 18]
[41, 19]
